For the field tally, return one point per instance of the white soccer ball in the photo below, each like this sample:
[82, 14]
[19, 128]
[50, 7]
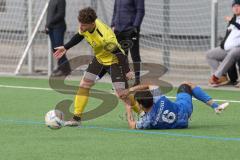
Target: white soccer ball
[54, 119]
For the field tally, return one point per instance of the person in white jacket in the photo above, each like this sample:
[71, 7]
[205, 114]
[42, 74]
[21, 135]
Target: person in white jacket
[223, 57]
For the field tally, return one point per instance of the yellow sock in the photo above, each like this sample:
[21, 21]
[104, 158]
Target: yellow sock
[135, 105]
[81, 100]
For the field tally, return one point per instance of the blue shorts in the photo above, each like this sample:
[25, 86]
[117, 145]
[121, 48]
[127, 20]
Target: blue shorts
[184, 103]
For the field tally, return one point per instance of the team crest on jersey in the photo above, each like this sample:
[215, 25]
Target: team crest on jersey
[94, 44]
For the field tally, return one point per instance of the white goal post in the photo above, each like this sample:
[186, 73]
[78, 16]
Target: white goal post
[30, 41]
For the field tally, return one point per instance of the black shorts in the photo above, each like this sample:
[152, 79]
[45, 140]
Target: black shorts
[116, 71]
[184, 88]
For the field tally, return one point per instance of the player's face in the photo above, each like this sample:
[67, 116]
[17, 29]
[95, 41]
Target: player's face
[236, 9]
[86, 27]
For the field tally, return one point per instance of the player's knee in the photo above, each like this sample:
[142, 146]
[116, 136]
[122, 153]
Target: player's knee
[85, 83]
[185, 88]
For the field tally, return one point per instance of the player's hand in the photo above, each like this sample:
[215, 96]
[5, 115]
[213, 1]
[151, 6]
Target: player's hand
[60, 51]
[130, 75]
[123, 94]
[228, 18]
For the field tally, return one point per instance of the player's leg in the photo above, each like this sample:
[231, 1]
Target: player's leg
[82, 95]
[87, 82]
[201, 95]
[184, 103]
[184, 96]
[119, 81]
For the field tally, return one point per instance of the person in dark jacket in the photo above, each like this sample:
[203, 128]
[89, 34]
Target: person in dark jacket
[55, 28]
[126, 22]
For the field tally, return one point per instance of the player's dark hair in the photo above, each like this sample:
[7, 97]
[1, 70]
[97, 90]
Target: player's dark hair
[235, 2]
[87, 15]
[145, 98]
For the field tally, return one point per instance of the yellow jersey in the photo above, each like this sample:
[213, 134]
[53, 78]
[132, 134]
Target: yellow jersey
[104, 42]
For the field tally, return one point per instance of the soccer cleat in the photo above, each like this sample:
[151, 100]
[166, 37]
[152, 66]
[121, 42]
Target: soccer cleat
[221, 107]
[74, 122]
[216, 82]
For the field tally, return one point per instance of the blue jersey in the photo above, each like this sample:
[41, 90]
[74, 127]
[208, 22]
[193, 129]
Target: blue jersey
[166, 114]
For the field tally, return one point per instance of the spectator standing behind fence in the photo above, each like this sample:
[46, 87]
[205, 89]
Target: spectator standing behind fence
[56, 28]
[126, 21]
[222, 58]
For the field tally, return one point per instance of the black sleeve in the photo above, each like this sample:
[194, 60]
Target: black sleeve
[233, 22]
[74, 40]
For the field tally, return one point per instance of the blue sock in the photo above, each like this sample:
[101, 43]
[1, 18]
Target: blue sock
[214, 105]
[199, 94]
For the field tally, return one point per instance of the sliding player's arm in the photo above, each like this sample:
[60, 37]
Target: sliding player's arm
[125, 93]
[61, 50]
[130, 118]
[144, 122]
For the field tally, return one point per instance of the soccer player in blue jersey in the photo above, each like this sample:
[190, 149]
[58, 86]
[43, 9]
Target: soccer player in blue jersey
[161, 113]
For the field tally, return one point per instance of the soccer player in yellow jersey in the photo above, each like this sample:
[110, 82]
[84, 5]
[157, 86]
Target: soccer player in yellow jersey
[109, 57]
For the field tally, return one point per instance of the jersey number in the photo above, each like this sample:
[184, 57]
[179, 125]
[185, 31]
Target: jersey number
[168, 117]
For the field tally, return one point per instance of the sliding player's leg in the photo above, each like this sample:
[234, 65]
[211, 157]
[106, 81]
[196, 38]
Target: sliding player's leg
[201, 95]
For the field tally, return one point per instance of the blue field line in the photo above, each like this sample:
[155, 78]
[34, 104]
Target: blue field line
[149, 132]
[20, 121]
[146, 132]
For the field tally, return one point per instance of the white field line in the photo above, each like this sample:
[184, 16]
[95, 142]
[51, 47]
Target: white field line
[50, 89]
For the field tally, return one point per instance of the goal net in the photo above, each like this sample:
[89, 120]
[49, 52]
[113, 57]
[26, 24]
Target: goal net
[177, 34]
[18, 21]
[174, 33]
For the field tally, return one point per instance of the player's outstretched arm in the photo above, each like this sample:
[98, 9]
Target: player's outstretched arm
[125, 93]
[61, 50]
